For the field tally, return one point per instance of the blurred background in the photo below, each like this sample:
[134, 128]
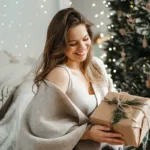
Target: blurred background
[121, 35]
[121, 39]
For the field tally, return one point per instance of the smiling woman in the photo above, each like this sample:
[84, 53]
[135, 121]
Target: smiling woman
[71, 83]
[78, 44]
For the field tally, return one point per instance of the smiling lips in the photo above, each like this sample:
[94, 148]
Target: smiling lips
[81, 53]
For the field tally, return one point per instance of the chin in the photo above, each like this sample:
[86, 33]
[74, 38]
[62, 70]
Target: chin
[82, 59]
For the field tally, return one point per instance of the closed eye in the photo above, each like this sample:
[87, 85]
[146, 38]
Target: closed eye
[72, 44]
[86, 39]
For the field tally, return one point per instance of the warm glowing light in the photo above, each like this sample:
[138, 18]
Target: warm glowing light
[102, 23]
[100, 46]
[110, 49]
[104, 2]
[97, 26]
[96, 15]
[102, 12]
[93, 5]
[101, 35]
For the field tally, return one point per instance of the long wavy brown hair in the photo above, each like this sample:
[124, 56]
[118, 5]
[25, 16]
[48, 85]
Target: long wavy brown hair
[54, 51]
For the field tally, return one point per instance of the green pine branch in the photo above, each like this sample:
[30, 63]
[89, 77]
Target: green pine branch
[119, 113]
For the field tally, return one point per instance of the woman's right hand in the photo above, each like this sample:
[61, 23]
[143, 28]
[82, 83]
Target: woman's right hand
[99, 133]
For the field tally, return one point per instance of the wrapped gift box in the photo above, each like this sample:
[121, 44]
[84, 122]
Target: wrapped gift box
[134, 127]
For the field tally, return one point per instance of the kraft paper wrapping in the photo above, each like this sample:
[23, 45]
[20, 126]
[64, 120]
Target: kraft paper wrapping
[134, 128]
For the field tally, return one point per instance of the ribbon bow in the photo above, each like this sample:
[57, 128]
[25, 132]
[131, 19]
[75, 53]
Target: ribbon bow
[120, 112]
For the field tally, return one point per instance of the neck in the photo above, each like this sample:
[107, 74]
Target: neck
[75, 66]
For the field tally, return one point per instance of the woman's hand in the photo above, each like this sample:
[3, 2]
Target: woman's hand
[99, 133]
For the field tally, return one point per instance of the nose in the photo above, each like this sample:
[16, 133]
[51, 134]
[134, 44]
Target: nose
[82, 45]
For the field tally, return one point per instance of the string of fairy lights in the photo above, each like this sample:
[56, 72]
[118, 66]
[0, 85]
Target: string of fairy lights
[7, 22]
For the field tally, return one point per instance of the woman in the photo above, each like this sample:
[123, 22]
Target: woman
[71, 83]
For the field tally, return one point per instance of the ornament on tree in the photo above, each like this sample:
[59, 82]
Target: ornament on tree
[131, 21]
[123, 54]
[148, 83]
[122, 31]
[145, 44]
[120, 13]
[128, 30]
[98, 39]
[148, 6]
[147, 71]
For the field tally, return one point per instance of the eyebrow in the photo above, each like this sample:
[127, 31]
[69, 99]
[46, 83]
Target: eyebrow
[76, 40]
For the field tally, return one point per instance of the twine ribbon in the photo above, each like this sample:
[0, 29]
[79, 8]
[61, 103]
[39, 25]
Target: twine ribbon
[121, 105]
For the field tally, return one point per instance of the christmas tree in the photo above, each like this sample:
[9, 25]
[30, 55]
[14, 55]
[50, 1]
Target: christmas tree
[128, 50]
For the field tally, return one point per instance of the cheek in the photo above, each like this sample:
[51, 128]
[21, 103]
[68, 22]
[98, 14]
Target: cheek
[89, 42]
[69, 51]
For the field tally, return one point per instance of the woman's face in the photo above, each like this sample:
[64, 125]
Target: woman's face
[78, 44]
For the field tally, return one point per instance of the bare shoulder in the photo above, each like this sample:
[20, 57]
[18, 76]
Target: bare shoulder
[60, 77]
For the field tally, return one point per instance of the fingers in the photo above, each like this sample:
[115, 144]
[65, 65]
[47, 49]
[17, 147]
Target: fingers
[100, 133]
[113, 141]
[113, 138]
[103, 128]
[112, 135]
[109, 137]
[124, 92]
[108, 134]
